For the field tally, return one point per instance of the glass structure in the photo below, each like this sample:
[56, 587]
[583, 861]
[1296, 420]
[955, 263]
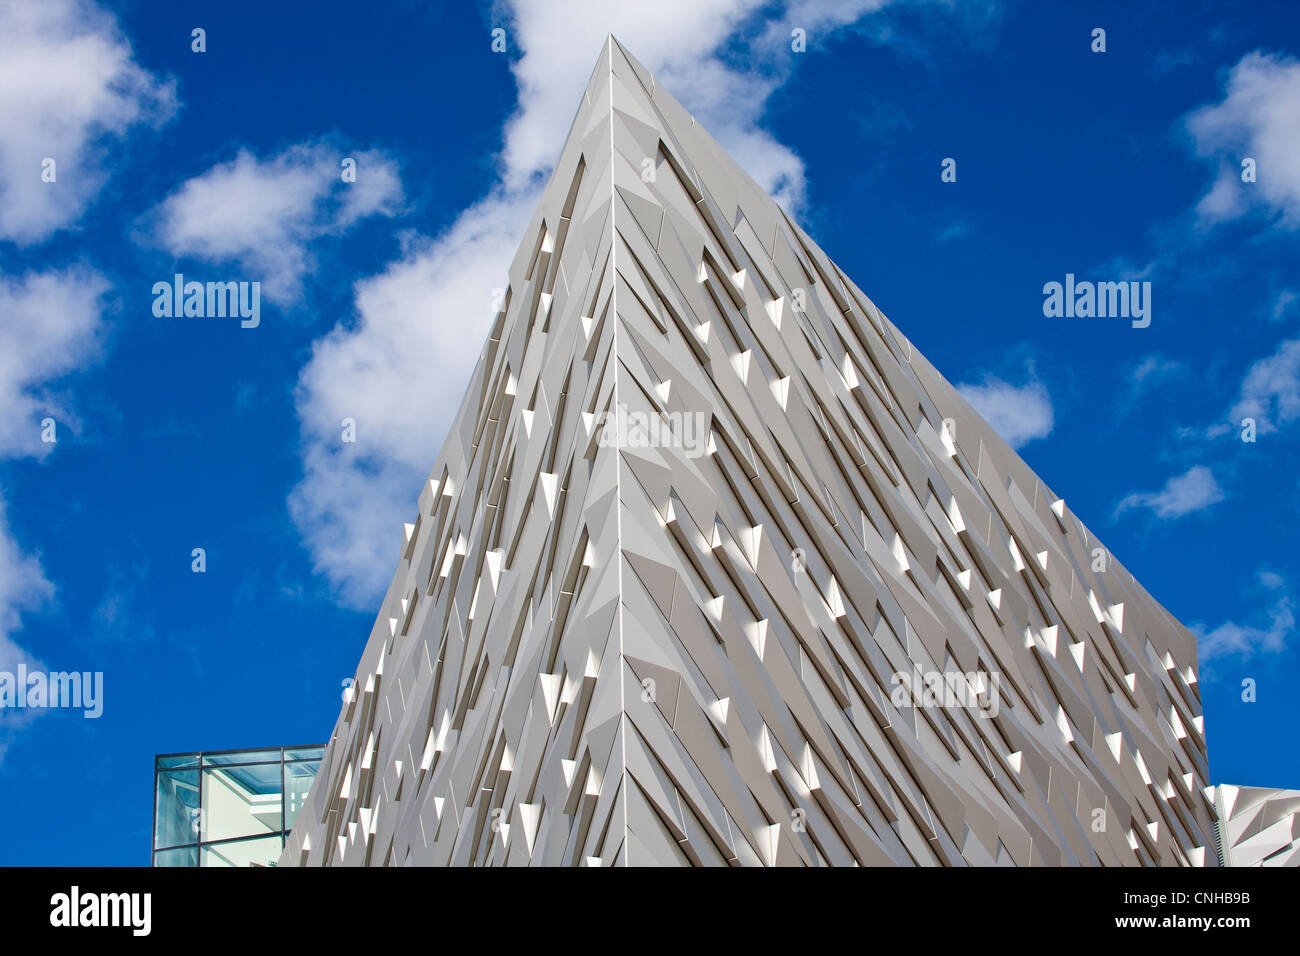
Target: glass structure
[229, 807]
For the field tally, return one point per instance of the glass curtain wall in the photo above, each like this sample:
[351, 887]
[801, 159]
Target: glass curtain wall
[229, 807]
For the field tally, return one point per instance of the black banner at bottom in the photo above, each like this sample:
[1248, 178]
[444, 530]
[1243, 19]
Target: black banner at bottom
[989, 904]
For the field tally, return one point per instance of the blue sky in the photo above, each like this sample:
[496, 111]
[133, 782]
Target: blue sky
[183, 433]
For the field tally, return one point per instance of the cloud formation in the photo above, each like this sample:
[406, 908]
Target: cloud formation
[1019, 413]
[70, 92]
[1232, 640]
[1194, 490]
[70, 89]
[50, 325]
[263, 214]
[1259, 119]
[1270, 391]
[23, 587]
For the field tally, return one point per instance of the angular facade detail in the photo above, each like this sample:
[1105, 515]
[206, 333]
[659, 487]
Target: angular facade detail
[715, 568]
[1257, 826]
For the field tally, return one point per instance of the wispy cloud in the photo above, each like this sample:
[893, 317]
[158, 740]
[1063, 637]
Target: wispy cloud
[50, 324]
[1155, 368]
[1166, 61]
[23, 587]
[1285, 304]
[119, 619]
[953, 230]
[70, 89]
[1245, 641]
[1019, 413]
[1194, 490]
[1270, 391]
[264, 214]
[51, 327]
[1259, 119]
[1147, 374]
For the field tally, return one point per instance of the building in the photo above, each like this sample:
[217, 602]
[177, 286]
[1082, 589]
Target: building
[1257, 826]
[715, 568]
[229, 807]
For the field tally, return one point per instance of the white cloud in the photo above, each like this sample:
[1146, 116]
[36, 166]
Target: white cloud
[69, 88]
[1240, 641]
[50, 327]
[1272, 580]
[1194, 490]
[1270, 392]
[1155, 367]
[1019, 414]
[23, 587]
[1148, 374]
[549, 85]
[401, 365]
[400, 373]
[262, 214]
[1284, 304]
[679, 41]
[682, 43]
[1259, 118]
[959, 229]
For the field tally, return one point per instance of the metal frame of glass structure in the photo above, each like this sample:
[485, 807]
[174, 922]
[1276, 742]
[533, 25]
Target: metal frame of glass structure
[229, 807]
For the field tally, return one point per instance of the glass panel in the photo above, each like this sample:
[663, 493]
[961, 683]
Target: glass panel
[305, 753]
[185, 856]
[241, 756]
[249, 799]
[176, 817]
[177, 760]
[298, 778]
[241, 801]
[259, 851]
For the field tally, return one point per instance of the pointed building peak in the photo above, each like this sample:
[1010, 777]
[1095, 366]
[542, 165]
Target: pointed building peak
[548, 620]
